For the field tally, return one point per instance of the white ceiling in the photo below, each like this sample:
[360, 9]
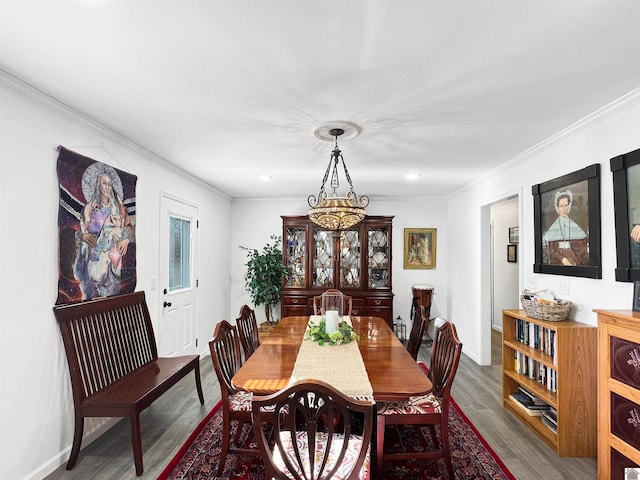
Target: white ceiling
[233, 89]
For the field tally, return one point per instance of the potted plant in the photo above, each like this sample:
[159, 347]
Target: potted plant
[265, 271]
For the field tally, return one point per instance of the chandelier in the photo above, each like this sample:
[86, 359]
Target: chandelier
[334, 212]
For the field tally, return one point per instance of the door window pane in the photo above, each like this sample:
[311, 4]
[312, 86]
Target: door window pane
[179, 253]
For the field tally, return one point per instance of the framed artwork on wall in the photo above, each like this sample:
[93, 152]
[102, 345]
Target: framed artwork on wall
[514, 234]
[636, 297]
[626, 204]
[419, 248]
[512, 253]
[566, 224]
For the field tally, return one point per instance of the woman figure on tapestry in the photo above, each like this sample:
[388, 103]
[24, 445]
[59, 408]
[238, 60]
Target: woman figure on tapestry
[105, 233]
[565, 242]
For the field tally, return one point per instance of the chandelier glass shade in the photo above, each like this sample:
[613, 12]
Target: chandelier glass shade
[332, 211]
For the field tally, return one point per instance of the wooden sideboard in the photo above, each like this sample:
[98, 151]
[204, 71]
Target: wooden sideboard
[618, 392]
[356, 261]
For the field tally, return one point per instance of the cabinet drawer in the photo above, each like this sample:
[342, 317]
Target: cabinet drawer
[625, 420]
[618, 465]
[357, 306]
[373, 302]
[295, 301]
[625, 361]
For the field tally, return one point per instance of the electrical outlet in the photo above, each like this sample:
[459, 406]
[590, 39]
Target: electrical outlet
[563, 286]
[532, 283]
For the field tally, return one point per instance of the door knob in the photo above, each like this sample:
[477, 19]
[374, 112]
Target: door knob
[166, 304]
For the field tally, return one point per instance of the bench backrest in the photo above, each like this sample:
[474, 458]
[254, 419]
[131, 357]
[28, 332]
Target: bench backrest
[105, 339]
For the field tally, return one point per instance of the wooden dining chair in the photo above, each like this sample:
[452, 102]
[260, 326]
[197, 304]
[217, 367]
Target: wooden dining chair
[236, 405]
[320, 433]
[248, 330]
[347, 303]
[432, 409]
[418, 327]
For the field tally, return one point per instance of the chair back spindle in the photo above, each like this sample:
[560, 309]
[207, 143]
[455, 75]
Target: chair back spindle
[248, 330]
[418, 327]
[318, 432]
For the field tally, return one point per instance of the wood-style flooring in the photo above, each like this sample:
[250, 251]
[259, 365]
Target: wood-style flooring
[169, 421]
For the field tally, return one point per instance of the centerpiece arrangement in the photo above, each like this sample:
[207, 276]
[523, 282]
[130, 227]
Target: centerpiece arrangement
[342, 334]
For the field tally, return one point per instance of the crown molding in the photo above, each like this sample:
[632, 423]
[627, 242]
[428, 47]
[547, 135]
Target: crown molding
[611, 110]
[38, 97]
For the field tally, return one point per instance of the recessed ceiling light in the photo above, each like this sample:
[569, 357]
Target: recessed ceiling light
[412, 176]
[264, 178]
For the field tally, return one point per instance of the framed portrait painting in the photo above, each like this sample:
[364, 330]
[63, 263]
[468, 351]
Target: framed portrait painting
[566, 215]
[626, 204]
[419, 248]
[514, 234]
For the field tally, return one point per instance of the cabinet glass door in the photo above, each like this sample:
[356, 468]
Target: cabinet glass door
[296, 256]
[378, 258]
[323, 260]
[350, 259]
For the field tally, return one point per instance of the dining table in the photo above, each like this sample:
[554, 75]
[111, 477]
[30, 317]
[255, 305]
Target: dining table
[392, 373]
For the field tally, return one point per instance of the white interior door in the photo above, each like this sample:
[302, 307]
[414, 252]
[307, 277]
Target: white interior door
[178, 247]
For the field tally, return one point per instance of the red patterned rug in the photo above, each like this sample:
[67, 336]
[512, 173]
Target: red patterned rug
[472, 457]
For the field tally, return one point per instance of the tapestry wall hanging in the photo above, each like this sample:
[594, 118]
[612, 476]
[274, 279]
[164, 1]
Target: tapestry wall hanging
[96, 222]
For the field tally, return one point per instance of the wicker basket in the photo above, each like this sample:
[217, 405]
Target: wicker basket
[543, 311]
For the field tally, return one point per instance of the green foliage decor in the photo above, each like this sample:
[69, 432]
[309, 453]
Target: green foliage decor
[344, 333]
[265, 272]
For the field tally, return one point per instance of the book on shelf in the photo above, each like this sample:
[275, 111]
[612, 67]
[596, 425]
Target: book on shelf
[537, 337]
[524, 409]
[548, 423]
[550, 417]
[532, 398]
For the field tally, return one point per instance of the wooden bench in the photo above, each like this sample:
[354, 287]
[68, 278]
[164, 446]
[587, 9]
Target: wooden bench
[114, 365]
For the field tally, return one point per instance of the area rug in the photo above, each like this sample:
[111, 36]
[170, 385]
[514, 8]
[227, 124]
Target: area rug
[472, 457]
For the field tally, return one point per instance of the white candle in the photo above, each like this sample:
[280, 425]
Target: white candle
[331, 321]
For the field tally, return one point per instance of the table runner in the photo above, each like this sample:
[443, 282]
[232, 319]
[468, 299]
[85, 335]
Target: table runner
[338, 365]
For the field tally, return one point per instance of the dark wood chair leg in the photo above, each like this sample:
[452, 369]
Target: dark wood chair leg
[77, 441]
[380, 426]
[446, 451]
[226, 435]
[136, 441]
[198, 383]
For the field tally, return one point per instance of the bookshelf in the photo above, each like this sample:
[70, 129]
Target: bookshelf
[618, 392]
[563, 365]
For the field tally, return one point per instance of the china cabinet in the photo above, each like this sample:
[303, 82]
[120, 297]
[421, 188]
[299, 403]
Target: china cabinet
[356, 261]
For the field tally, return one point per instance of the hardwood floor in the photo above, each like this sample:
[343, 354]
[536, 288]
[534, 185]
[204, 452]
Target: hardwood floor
[170, 420]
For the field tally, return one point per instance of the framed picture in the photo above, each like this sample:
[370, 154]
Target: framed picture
[514, 234]
[636, 296]
[512, 253]
[566, 224]
[626, 204]
[419, 248]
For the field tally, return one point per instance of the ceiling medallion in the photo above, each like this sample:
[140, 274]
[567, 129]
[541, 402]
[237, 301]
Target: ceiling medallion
[334, 212]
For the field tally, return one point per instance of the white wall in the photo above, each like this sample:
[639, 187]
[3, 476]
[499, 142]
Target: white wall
[253, 221]
[609, 132]
[36, 407]
[504, 215]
